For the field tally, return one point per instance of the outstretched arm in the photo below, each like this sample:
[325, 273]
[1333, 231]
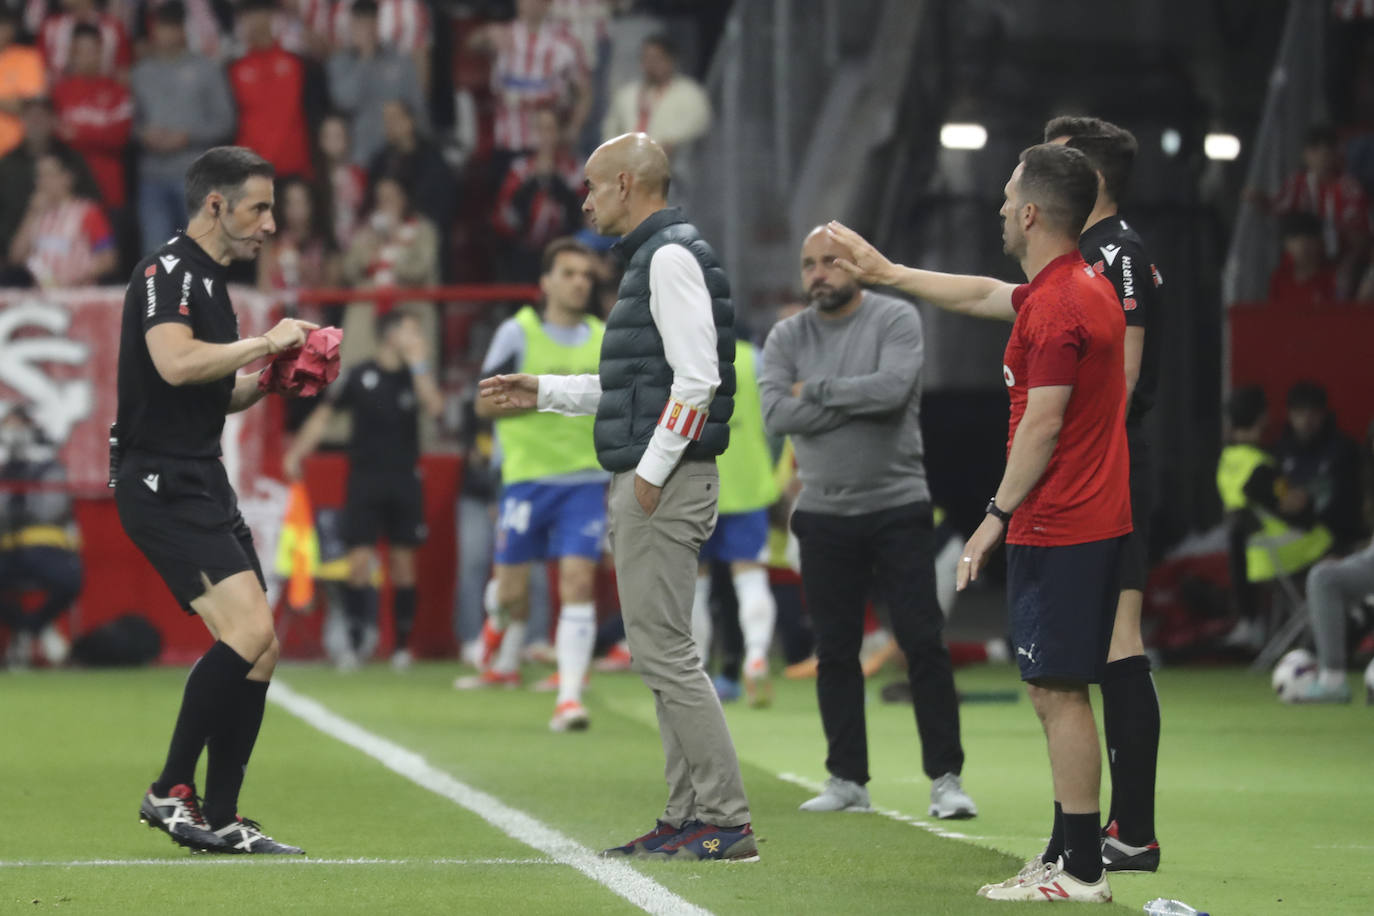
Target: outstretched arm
[981, 297]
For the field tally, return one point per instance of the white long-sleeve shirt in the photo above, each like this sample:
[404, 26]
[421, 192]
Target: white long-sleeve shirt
[681, 310]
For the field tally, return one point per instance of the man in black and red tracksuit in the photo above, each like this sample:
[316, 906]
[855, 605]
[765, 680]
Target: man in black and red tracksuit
[1130, 706]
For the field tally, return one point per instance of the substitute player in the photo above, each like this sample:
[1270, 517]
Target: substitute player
[747, 491]
[179, 352]
[553, 501]
[385, 397]
[1130, 705]
[1063, 505]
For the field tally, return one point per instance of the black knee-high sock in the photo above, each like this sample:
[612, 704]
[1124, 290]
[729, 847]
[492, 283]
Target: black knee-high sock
[229, 749]
[403, 615]
[1055, 848]
[210, 696]
[356, 601]
[1130, 716]
[1083, 846]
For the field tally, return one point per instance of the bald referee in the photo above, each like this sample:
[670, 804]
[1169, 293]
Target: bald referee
[179, 354]
[662, 398]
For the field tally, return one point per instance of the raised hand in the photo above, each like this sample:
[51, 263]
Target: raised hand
[510, 392]
[865, 263]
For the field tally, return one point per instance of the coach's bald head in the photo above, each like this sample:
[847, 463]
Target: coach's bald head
[627, 181]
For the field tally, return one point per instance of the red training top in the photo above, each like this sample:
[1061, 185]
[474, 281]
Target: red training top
[95, 115]
[1070, 330]
[269, 88]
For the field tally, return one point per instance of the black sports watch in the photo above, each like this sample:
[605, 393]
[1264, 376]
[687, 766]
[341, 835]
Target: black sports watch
[1000, 515]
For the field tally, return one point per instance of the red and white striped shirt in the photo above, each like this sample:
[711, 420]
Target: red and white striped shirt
[533, 69]
[589, 23]
[402, 25]
[66, 240]
[348, 182]
[55, 41]
[548, 208]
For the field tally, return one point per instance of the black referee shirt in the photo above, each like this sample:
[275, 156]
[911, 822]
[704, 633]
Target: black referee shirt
[179, 282]
[382, 403]
[1114, 250]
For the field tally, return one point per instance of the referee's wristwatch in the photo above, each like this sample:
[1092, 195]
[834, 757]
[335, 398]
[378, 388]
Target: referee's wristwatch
[1002, 516]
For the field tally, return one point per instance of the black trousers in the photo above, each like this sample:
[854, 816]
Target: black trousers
[888, 555]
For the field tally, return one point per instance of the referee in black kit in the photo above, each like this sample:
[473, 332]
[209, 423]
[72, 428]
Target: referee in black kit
[1130, 705]
[179, 353]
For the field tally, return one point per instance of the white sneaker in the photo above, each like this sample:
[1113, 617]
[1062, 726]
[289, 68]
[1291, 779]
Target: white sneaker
[949, 800]
[20, 651]
[1051, 884]
[401, 660]
[53, 645]
[471, 653]
[569, 716]
[1029, 872]
[839, 795]
[347, 662]
[539, 653]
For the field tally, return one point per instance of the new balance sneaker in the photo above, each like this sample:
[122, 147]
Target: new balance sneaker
[758, 686]
[839, 795]
[617, 659]
[1029, 872]
[948, 800]
[569, 716]
[178, 815]
[1050, 884]
[246, 836]
[698, 842]
[1117, 856]
[487, 679]
[662, 833]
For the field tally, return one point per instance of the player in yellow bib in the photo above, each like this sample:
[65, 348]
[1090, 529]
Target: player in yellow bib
[747, 490]
[553, 496]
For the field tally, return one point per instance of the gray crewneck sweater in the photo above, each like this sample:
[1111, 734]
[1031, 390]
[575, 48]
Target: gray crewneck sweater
[856, 427]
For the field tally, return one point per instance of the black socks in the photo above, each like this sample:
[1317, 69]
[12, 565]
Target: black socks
[1083, 846]
[1130, 718]
[403, 613]
[230, 747]
[210, 698]
[1055, 849]
[358, 610]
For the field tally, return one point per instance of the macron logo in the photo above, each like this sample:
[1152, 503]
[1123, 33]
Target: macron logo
[169, 262]
[209, 286]
[151, 481]
[1109, 253]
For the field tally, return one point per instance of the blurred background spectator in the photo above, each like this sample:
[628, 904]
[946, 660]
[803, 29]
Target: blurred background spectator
[273, 93]
[1315, 456]
[344, 179]
[55, 38]
[1304, 276]
[174, 127]
[414, 157]
[207, 33]
[365, 75]
[589, 24]
[64, 239]
[540, 198]
[303, 254]
[21, 77]
[663, 103]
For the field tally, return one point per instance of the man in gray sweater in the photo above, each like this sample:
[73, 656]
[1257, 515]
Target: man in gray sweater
[365, 76]
[182, 107]
[842, 379]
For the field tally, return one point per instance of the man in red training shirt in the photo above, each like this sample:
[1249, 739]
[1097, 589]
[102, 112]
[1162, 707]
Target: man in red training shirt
[269, 86]
[95, 115]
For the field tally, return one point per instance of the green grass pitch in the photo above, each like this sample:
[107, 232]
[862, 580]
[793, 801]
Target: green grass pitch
[1263, 808]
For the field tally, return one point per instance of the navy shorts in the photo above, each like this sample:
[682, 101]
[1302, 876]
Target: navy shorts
[740, 537]
[1062, 604]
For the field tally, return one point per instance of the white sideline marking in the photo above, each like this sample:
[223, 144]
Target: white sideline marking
[259, 861]
[886, 812]
[619, 878]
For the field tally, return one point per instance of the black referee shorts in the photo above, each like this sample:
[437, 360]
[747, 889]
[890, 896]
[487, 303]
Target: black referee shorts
[1062, 603]
[386, 504]
[183, 515]
[1135, 559]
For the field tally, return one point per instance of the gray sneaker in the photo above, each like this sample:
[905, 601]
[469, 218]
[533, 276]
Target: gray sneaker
[949, 800]
[839, 795]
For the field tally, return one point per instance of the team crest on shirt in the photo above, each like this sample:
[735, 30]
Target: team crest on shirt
[1099, 266]
[1128, 304]
[1007, 376]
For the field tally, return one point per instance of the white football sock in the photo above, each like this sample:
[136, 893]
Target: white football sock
[757, 612]
[498, 617]
[508, 656]
[701, 618]
[574, 639]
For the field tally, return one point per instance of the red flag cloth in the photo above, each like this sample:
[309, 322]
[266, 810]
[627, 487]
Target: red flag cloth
[304, 371]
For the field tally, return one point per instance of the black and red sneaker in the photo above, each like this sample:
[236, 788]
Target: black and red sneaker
[699, 842]
[662, 833]
[1120, 857]
[243, 835]
[178, 815]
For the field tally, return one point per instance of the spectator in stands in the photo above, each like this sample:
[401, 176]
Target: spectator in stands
[345, 179]
[540, 199]
[64, 240]
[589, 24]
[269, 87]
[670, 107]
[397, 246]
[1304, 276]
[365, 76]
[410, 153]
[182, 107]
[1316, 456]
[55, 38]
[537, 63]
[38, 540]
[18, 166]
[95, 116]
[302, 253]
[21, 77]
[403, 26]
[206, 34]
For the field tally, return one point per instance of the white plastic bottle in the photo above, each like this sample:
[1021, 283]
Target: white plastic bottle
[1162, 907]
